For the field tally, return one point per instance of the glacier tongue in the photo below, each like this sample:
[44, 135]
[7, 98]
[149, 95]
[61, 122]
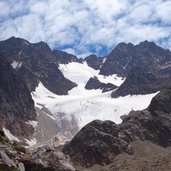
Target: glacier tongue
[86, 108]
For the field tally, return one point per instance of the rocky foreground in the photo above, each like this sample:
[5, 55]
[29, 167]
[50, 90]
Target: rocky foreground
[142, 142]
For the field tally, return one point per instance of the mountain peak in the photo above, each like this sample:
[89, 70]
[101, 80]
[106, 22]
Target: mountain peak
[17, 39]
[147, 43]
[123, 45]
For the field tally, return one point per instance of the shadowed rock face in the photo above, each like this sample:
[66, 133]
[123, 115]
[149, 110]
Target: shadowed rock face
[119, 60]
[100, 142]
[16, 104]
[36, 64]
[94, 83]
[147, 68]
[94, 61]
[146, 55]
[139, 81]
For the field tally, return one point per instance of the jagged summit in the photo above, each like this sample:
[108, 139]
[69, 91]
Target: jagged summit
[69, 93]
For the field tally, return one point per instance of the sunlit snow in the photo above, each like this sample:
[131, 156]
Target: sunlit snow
[9, 135]
[16, 65]
[33, 123]
[87, 105]
[30, 142]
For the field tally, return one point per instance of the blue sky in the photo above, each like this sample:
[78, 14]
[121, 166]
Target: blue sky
[82, 27]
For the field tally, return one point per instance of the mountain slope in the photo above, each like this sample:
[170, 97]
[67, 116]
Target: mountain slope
[34, 63]
[16, 104]
[101, 142]
[94, 62]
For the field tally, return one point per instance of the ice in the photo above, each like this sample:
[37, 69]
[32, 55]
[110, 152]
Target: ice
[81, 73]
[88, 105]
[92, 104]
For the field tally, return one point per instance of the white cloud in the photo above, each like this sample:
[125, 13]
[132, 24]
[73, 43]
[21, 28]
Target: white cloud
[163, 11]
[84, 25]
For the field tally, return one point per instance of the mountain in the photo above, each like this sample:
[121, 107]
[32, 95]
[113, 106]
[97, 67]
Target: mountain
[16, 104]
[94, 62]
[141, 142]
[118, 61]
[72, 99]
[58, 81]
[146, 55]
[35, 63]
[146, 66]
[100, 142]
[64, 58]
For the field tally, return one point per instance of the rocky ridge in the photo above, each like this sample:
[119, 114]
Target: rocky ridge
[146, 67]
[100, 142]
[94, 61]
[34, 63]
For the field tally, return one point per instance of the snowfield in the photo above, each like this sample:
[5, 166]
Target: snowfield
[81, 73]
[84, 105]
[88, 108]
[10, 136]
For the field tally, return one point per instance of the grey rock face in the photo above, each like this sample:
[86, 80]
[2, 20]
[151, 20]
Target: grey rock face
[61, 57]
[16, 104]
[94, 61]
[94, 83]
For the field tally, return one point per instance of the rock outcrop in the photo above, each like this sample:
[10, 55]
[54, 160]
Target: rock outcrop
[94, 83]
[97, 143]
[10, 154]
[61, 57]
[100, 142]
[118, 61]
[94, 61]
[46, 158]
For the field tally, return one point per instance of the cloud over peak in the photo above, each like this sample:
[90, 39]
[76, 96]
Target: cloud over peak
[86, 26]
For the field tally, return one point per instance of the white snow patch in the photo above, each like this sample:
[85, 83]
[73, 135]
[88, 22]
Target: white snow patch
[16, 65]
[78, 72]
[113, 79]
[20, 53]
[81, 73]
[31, 142]
[33, 123]
[104, 60]
[9, 135]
